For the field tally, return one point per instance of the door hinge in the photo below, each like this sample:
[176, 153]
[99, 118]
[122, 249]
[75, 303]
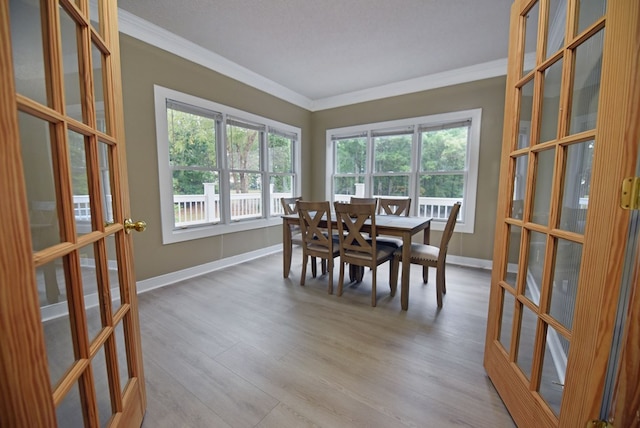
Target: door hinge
[599, 424]
[630, 195]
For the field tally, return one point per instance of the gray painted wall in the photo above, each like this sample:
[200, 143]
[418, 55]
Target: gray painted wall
[144, 65]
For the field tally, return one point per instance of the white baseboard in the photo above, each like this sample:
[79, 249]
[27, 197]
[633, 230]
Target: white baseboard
[192, 272]
[470, 262]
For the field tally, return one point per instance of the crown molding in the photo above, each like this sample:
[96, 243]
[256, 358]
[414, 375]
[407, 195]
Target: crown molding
[154, 35]
[432, 81]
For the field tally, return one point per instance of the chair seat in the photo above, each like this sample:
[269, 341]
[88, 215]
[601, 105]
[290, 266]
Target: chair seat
[383, 252]
[421, 253]
[389, 241]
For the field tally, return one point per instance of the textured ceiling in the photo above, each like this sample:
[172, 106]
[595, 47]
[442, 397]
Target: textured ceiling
[326, 48]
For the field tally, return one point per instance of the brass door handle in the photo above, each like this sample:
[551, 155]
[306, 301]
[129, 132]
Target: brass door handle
[138, 226]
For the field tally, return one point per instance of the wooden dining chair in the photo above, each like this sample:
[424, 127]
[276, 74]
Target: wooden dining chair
[394, 206]
[358, 249]
[289, 208]
[316, 241]
[431, 256]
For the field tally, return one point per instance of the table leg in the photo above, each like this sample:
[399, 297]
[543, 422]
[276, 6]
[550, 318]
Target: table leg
[406, 264]
[287, 249]
[426, 238]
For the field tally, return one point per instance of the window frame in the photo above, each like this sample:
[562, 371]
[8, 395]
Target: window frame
[466, 224]
[269, 216]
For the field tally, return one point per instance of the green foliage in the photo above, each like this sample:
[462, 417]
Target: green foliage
[192, 143]
[442, 162]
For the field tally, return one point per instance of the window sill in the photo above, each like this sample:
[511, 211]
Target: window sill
[182, 235]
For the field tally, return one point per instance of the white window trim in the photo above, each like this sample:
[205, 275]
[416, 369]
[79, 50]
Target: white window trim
[171, 235]
[471, 184]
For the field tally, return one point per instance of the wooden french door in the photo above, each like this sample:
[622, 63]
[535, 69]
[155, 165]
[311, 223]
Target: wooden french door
[71, 352]
[571, 136]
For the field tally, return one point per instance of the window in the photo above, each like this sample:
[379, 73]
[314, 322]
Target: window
[432, 159]
[213, 163]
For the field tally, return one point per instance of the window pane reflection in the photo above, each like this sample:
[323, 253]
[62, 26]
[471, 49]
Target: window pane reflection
[80, 183]
[39, 180]
[554, 367]
[577, 184]
[531, 37]
[526, 106]
[542, 191]
[533, 281]
[528, 327]
[586, 84]
[550, 103]
[506, 324]
[565, 281]
[519, 186]
[26, 46]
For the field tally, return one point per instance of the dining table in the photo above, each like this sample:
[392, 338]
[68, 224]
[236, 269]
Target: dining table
[403, 227]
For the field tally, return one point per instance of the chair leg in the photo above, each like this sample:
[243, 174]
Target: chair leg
[393, 275]
[324, 266]
[314, 268]
[328, 264]
[373, 287]
[303, 274]
[439, 286]
[341, 278]
[425, 274]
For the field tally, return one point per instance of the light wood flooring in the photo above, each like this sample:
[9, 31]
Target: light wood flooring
[243, 347]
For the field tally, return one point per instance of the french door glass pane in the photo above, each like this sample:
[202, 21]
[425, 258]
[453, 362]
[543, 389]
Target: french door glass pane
[112, 268]
[94, 15]
[519, 186]
[565, 281]
[101, 385]
[26, 45]
[589, 12]
[55, 319]
[531, 37]
[121, 350]
[550, 102]
[554, 367]
[91, 290]
[506, 322]
[542, 190]
[513, 269]
[73, 89]
[80, 183]
[533, 281]
[577, 182]
[586, 86]
[41, 193]
[104, 163]
[526, 105]
[556, 26]
[526, 343]
[98, 88]
[69, 412]
[246, 195]
[351, 156]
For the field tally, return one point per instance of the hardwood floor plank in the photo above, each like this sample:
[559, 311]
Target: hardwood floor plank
[257, 350]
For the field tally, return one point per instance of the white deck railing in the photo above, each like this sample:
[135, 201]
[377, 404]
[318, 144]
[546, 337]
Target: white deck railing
[198, 209]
